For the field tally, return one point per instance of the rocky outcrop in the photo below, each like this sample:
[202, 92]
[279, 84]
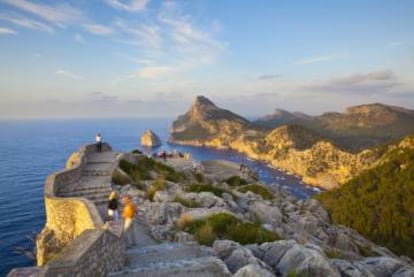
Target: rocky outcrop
[150, 139]
[292, 148]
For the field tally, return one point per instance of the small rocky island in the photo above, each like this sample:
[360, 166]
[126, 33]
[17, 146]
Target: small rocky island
[193, 223]
[150, 139]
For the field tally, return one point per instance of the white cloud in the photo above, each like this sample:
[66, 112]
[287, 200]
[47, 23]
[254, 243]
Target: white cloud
[317, 59]
[130, 6]
[153, 72]
[68, 74]
[98, 29]
[7, 31]
[394, 44]
[59, 14]
[26, 22]
[148, 36]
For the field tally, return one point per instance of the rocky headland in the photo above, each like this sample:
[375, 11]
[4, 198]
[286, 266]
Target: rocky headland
[150, 139]
[302, 149]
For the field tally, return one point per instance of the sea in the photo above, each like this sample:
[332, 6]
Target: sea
[32, 149]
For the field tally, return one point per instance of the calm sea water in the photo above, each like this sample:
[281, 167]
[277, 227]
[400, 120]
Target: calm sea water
[30, 150]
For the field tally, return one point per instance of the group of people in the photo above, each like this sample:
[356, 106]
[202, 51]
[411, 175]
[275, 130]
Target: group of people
[128, 215]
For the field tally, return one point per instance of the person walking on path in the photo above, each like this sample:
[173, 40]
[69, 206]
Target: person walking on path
[98, 142]
[129, 215]
[113, 206]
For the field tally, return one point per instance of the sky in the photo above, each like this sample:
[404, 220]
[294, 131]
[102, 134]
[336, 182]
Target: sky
[150, 58]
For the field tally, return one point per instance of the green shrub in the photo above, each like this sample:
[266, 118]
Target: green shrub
[199, 177]
[158, 184]
[226, 226]
[206, 188]
[236, 181]
[186, 203]
[264, 192]
[119, 179]
[366, 251]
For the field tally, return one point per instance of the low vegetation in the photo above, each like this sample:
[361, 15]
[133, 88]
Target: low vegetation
[158, 184]
[144, 166]
[236, 181]
[206, 188]
[226, 226]
[186, 203]
[379, 203]
[264, 192]
[120, 179]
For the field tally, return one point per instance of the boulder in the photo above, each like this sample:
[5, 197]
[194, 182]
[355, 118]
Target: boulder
[288, 257]
[265, 213]
[150, 139]
[253, 270]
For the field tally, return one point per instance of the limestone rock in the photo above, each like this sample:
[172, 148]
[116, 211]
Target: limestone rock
[150, 139]
[252, 270]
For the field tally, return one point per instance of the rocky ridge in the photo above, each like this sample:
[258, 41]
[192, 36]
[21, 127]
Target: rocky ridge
[308, 244]
[150, 139]
[319, 160]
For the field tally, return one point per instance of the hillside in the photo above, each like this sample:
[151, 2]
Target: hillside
[379, 203]
[318, 159]
[357, 128]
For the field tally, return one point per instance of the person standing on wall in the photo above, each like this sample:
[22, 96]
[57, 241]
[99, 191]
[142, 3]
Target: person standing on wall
[129, 215]
[98, 142]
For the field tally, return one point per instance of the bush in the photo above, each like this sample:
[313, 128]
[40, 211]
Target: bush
[199, 177]
[186, 203]
[236, 181]
[264, 192]
[226, 226]
[158, 184]
[119, 179]
[206, 188]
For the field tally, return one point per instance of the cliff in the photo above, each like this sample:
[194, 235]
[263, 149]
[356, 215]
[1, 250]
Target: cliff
[319, 159]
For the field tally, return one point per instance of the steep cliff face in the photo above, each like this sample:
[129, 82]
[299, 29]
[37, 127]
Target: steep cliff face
[318, 159]
[205, 122]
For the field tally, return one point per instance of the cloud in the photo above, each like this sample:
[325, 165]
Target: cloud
[59, 15]
[269, 76]
[7, 31]
[394, 44]
[317, 59]
[68, 74]
[132, 6]
[370, 82]
[98, 29]
[144, 35]
[103, 98]
[19, 20]
[153, 72]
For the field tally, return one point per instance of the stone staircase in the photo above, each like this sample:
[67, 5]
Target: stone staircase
[172, 259]
[95, 183]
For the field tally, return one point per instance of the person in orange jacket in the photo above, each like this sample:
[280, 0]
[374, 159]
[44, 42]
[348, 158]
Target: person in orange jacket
[129, 215]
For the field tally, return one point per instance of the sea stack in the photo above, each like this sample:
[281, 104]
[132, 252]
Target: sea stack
[150, 139]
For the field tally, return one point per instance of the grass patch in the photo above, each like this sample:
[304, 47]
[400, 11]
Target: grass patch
[186, 203]
[158, 184]
[119, 179]
[333, 254]
[199, 177]
[264, 192]
[226, 226]
[236, 181]
[366, 251]
[206, 188]
[144, 166]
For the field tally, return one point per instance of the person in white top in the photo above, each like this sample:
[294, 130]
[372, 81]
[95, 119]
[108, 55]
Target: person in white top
[99, 142]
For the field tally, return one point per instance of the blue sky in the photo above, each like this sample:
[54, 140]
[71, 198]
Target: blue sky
[149, 58]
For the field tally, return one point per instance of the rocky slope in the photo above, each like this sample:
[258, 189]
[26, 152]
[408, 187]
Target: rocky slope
[305, 244]
[320, 160]
[357, 128]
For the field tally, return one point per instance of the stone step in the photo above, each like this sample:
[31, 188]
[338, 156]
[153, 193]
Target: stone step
[167, 252]
[199, 267]
[87, 172]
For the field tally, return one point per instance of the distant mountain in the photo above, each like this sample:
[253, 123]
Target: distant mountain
[203, 121]
[358, 128]
[281, 117]
[379, 203]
